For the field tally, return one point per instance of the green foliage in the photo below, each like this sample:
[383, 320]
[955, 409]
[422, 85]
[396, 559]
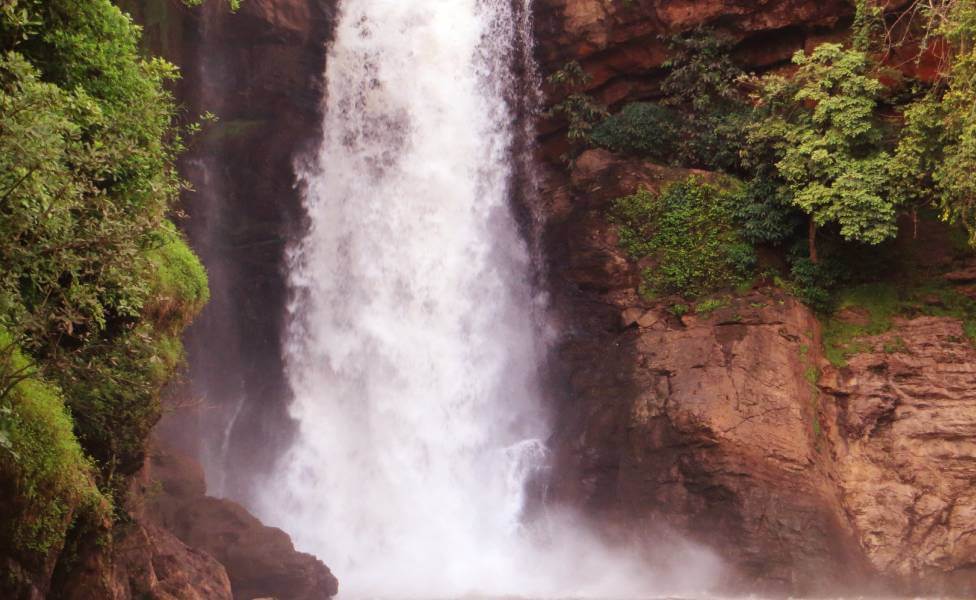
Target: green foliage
[679, 310]
[179, 281]
[701, 73]
[936, 151]
[869, 25]
[942, 126]
[919, 153]
[234, 4]
[580, 111]
[710, 305]
[96, 283]
[701, 118]
[115, 398]
[640, 129]
[813, 283]
[46, 478]
[702, 83]
[822, 121]
[690, 234]
[764, 211]
[86, 174]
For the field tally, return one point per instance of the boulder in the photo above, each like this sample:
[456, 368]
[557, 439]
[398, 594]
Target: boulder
[260, 560]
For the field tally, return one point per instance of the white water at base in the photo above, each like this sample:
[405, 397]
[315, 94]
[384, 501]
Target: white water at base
[412, 350]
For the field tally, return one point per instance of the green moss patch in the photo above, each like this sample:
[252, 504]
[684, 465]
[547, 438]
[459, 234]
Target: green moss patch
[179, 280]
[50, 480]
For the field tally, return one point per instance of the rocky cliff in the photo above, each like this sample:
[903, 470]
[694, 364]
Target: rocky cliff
[177, 543]
[731, 427]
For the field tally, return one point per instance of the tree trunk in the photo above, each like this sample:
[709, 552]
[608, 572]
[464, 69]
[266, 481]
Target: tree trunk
[812, 239]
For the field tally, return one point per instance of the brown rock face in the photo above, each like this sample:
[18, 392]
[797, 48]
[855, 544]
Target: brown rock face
[707, 423]
[260, 71]
[906, 452]
[260, 561]
[184, 545]
[731, 428]
[622, 43]
[139, 561]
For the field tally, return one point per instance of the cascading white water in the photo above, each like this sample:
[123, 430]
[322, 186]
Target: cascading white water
[412, 351]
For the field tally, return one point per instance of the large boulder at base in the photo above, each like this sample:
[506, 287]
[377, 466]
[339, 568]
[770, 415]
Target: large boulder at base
[261, 561]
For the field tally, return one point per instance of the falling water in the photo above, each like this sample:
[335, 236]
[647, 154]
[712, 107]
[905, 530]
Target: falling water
[412, 351]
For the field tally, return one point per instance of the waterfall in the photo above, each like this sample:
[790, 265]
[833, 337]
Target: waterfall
[412, 351]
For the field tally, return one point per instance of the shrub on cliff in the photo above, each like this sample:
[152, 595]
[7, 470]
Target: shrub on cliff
[46, 479]
[96, 282]
[577, 109]
[689, 234]
[640, 129]
[700, 119]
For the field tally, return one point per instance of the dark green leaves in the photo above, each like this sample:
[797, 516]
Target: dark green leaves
[689, 234]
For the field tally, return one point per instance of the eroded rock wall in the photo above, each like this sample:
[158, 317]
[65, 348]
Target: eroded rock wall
[261, 561]
[623, 44]
[905, 452]
[707, 424]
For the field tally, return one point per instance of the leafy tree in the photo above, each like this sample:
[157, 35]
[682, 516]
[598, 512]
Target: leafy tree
[935, 155]
[702, 84]
[580, 111]
[951, 122]
[822, 122]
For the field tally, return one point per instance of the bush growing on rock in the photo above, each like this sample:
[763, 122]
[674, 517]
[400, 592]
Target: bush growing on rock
[640, 129]
[96, 282]
[700, 120]
[689, 233]
[47, 480]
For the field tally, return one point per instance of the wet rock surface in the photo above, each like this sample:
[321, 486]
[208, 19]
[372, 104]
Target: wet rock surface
[261, 72]
[180, 544]
[145, 562]
[705, 423]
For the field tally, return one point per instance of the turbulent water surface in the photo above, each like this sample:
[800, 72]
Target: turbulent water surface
[412, 350]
